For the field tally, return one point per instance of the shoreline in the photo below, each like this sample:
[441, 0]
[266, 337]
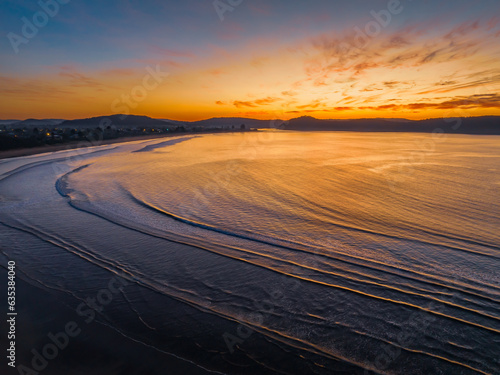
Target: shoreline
[29, 151]
[18, 152]
[73, 145]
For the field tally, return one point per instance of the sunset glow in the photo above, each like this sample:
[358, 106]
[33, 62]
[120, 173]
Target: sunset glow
[260, 59]
[247, 187]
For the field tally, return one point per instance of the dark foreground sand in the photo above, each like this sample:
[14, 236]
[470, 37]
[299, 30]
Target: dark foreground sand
[96, 350]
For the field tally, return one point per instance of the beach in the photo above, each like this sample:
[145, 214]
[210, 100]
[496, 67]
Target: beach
[13, 153]
[196, 262]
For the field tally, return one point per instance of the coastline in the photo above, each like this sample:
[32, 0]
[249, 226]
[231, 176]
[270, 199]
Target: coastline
[18, 152]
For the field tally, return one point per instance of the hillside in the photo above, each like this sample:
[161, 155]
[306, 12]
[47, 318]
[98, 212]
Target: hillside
[236, 122]
[31, 122]
[466, 125]
[119, 121]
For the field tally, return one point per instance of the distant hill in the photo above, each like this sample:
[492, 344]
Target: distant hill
[228, 122]
[135, 121]
[32, 122]
[8, 122]
[120, 121]
[236, 122]
[465, 125]
[175, 122]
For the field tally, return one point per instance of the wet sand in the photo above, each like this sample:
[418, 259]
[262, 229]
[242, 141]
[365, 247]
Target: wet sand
[17, 152]
[96, 349]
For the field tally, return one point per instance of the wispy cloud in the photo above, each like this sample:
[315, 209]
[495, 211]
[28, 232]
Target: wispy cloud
[76, 79]
[356, 55]
[462, 102]
[31, 89]
[255, 103]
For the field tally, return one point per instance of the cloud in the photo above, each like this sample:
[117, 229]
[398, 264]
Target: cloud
[398, 84]
[463, 102]
[386, 107]
[266, 101]
[464, 82]
[308, 111]
[391, 84]
[357, 54]
[361, 67]
[430, 57]
[446, 83]
[255, 103]
[77, 79]
[253, 114]
[396, 41]
[32, 89]
[240, 104]
[312, 105]
[371, 87]
[215, 72]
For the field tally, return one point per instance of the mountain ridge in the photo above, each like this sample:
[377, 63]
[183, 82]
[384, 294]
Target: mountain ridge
[461, 125]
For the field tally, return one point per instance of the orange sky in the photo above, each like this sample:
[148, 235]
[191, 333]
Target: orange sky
[411, 69]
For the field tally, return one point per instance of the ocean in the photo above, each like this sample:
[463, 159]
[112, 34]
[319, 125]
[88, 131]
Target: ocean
[262, 252]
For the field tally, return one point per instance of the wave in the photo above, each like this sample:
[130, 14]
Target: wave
[361, 297]
[163, 144]
[299, 247]
[283, 262]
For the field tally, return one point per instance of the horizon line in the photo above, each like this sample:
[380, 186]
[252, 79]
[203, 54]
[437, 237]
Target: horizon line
[252, 118]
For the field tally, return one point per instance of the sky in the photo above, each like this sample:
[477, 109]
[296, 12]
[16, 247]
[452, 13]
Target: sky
[196, 59]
